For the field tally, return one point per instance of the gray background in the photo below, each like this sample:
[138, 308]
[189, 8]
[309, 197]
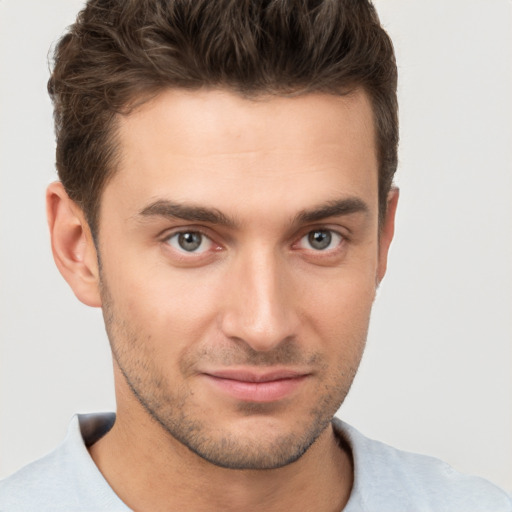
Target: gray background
[436, 375]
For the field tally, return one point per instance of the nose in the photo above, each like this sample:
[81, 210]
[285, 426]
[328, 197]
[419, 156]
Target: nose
[259, 301]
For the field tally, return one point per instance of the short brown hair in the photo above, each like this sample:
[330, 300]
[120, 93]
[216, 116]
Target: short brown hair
[121, 52]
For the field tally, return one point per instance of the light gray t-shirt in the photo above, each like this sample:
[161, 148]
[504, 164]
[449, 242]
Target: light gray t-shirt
[385, 479]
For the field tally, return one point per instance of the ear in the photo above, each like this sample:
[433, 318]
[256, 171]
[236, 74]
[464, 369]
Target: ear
[387, 231]
[72, 245]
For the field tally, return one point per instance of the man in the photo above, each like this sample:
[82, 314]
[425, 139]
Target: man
[226, 197]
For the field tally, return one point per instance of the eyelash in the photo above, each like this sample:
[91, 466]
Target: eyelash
[339, 239]
[332, 236]
[204, 238]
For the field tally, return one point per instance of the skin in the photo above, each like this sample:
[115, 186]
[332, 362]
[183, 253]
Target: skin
[258, 183]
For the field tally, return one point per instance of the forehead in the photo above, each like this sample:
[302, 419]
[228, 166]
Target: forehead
[218, 149]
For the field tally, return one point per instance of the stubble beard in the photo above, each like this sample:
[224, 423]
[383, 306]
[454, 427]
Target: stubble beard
[175, 411]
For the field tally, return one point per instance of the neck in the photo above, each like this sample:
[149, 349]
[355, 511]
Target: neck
[150, 470]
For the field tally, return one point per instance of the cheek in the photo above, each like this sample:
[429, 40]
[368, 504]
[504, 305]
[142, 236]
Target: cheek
[340, 308]
[172, 308]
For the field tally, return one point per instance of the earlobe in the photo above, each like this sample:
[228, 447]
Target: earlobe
[387, 231]
[73, 247]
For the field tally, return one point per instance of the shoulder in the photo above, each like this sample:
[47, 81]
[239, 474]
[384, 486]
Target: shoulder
[64, 480]
[37, 482]
[387, 479]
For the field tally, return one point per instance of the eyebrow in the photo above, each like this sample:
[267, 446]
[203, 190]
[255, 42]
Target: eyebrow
[335, 208]
[170, 209]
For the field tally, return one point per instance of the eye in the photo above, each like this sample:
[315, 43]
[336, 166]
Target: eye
[321, 240]
[190, 241]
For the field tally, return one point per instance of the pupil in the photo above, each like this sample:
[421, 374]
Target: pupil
[189, 241]
[320, 239]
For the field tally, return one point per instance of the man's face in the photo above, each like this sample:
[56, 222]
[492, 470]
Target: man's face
[239, 260]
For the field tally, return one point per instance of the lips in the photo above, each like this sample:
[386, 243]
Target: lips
[251, 386]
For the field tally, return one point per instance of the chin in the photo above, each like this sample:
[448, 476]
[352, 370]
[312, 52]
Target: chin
[251, 443]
